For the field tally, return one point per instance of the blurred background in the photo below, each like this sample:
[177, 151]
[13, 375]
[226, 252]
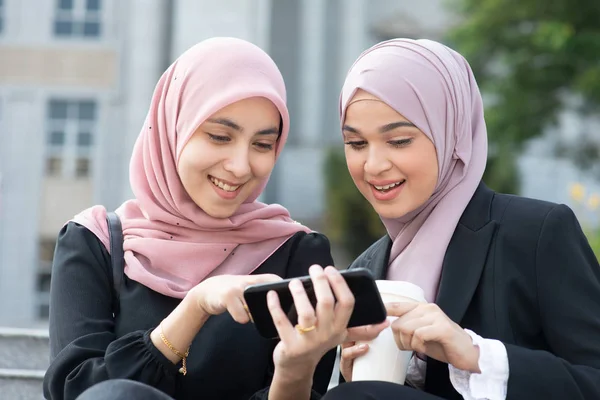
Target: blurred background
[76, 77]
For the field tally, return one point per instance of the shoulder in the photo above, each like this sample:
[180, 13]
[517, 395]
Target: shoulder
[302, 241]
[538, 228]
[75, 233]
[380, 247]
[527, 213]
[312, 241]
[303, 250]
[77, 245]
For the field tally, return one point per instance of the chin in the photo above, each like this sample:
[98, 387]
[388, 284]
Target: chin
[220, 213]
[390, 211]
[216, 210]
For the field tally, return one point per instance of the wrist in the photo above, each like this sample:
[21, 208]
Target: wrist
[474, 360]
[193, 306]
[291, 383]
[294, 374]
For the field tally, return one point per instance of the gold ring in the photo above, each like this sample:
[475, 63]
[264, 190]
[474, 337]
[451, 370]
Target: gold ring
[304, 330]
[248, 312]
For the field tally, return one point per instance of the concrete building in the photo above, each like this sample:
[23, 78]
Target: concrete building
[76, 77]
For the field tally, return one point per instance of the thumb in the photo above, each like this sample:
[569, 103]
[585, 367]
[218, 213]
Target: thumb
[263, 278]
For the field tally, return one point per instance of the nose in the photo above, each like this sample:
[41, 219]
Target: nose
[238, 164]
[377, 162]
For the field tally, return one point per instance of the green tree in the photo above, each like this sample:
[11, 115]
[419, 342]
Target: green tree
[528, 55]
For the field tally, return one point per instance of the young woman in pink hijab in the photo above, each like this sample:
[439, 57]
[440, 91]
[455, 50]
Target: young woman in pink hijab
[173, 323]
[512, 284]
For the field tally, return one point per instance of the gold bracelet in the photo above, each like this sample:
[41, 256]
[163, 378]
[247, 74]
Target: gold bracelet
[183, 369]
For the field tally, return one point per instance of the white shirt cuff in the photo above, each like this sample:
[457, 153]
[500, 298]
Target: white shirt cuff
[492, 382]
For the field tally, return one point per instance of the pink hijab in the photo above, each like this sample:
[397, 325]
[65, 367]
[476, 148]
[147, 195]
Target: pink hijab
[433, 87]
[171, 244]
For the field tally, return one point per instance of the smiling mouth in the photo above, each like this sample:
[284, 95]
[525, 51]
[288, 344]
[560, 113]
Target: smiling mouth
[222, 185]
[387, 188]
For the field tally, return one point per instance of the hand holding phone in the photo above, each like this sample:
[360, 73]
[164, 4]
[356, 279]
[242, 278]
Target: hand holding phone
[368, 306]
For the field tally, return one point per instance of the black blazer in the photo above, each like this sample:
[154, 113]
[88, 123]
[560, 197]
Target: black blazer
[520, 271]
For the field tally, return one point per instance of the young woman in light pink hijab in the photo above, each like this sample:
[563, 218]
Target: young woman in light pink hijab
[512, 284]
[194, 237]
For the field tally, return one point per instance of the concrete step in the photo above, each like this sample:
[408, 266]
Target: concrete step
[16, 384]
[26, 349]
[24, 358]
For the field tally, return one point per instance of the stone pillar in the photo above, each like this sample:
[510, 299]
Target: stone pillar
[144, 60]
[21, 166]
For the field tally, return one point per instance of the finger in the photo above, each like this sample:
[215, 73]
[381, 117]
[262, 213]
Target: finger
[304, 309]
[402, 340]
[235, 307]
[262, 278]
[404, 329]
[422, 312]
[350, 353]
[367, 332]
[347, 344]
[424, 335]
[325, 299]
[398, 309]
[407, 325]
[429, 333]
[344, 296]
[280, 319]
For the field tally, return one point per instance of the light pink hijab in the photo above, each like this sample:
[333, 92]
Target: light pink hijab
[171, 244]
[433, 87]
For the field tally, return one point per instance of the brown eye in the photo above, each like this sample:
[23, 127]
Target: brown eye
[401, 143]
[264, 146]
[356, 144]
[218, 138]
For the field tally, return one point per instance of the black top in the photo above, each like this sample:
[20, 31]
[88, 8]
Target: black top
[227, 360]
[520, 271]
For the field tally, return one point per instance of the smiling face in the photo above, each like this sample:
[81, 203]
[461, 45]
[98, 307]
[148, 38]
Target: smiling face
[230, 155]
[393, 163]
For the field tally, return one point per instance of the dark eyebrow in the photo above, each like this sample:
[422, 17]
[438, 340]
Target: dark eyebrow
[349, 129]
[394, 125]
[230, 124]
[384, 128]
[227, 122]
[269, 131]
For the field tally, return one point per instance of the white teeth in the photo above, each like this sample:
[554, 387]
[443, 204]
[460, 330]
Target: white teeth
[223, 186]
[386, 187]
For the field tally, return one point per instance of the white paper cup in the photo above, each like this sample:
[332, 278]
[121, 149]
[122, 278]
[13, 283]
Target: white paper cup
[384, 361]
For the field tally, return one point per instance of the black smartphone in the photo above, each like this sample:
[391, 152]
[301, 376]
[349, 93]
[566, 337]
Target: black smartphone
[368, 306]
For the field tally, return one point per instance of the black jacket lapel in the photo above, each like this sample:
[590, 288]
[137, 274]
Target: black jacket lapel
[462, 268]
[466, 255]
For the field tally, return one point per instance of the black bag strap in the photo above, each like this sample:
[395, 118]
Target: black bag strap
[117, 256]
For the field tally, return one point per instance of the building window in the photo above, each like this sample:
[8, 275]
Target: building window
[70, 138]
[54, 166]
[78, 18]
[82, 169]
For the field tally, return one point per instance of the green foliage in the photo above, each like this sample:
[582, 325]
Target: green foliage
[351, 221]
[526, 55]
[594, 240]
